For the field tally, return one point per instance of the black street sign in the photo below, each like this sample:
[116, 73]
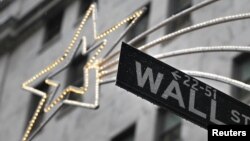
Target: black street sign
[172, 89]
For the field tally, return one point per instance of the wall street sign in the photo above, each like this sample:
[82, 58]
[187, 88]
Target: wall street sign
[170, 88]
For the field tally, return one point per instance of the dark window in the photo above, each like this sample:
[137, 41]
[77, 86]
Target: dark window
[140, 26]
[53, 26]
[176, 6]
[172, 135]
[242, 73]
[127, 135]
[168, 126]
[4, 4]
[75, 71]
[84, 6]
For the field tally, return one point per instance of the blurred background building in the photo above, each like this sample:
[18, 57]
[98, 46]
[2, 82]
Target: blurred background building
[33, 33]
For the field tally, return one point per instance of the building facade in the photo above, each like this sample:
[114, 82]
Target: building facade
[34, 33]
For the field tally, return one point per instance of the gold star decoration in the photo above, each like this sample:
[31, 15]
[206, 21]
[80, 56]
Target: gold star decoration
[46, 74]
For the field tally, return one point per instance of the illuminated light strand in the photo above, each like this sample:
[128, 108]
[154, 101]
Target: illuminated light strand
[211, 76]
[123, 34]
[190, 51]
[94, 105]
[33, 119]
[107, 81]
[106, 73]
[196, 27]
[171, 19]
[81, 90]
[63, 94]
[66, 52]
[219, 78]
[112, 29]
[109, 65]
[93, 58]
[203, 49]
[187, 30]
[163, 23]
[184, 52]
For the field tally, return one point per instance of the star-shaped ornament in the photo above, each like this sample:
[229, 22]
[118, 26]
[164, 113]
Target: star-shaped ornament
[58, 98]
